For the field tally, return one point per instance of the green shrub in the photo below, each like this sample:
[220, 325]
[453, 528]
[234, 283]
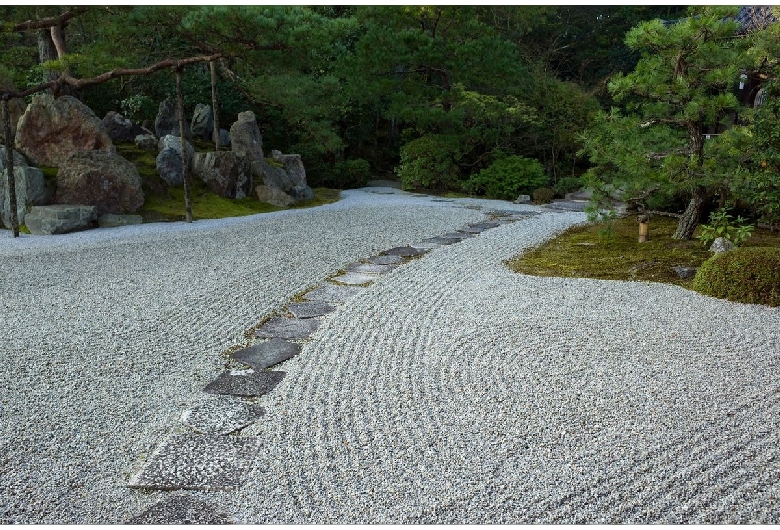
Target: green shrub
[748, 274]
[507, 177]
[352, 173]
[721, 226]
[429, 162]
[567, 185]
[543, 195]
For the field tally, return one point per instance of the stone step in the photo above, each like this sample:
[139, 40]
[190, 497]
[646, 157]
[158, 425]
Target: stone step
[60, 219]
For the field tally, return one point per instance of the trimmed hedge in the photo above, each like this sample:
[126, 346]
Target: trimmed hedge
[749, 275]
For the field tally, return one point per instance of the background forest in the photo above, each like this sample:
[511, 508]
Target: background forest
[493, 100]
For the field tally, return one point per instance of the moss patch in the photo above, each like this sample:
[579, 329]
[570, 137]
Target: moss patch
[748, 274]
[610, 251]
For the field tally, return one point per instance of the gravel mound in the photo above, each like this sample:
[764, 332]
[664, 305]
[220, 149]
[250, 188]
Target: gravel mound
[450, 390]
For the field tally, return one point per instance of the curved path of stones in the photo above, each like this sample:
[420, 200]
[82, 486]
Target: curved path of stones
[448, 390]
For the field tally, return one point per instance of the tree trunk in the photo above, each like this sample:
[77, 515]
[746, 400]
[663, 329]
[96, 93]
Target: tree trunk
[690, 217]
[46, 52]
[184, 164]
[215, 102]
[9, 162]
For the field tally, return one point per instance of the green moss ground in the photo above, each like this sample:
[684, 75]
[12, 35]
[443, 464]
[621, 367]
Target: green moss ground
[610, 251]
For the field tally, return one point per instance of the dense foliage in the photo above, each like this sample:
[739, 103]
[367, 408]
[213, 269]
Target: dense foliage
[747, 274]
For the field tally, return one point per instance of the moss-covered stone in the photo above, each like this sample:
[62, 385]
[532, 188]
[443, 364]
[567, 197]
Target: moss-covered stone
[750, 275]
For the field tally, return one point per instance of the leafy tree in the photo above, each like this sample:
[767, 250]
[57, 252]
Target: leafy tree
[677, 100]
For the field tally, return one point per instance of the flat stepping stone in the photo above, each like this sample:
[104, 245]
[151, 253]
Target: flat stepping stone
[472, 230]
[484, 226]
[221, 415]
[244, 383]
[406, 252]
[442, 200]
[266, 354]
[198, 462]
[288, 328]
[354, 278]
[443, 240]
[385, 260]
[370, 268]
[310, 309]
[332, 293]
[457, 235]
[426, 245]
[181, 509]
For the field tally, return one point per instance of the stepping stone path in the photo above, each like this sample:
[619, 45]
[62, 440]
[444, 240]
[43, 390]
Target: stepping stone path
[288, 328]
[211, 459]
[245, 383]
[221, 415]
[198, 462]
[181, 509]
[267, 354]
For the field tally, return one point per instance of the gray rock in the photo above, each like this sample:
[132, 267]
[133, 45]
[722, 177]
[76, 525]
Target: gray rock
[271, 176]
[224, 173]
[333, 293]
[442, 240]
[16, 108]
[267, 354]
[52, 129]
[385, 260]
[244, 383]
[198, 462]
[19, 159]
[60, 218]
[405, 252]
[111, 220]
[202, 122]
[354, 278]
[221, 415]
[181, 510]
[721, 244]
[169, 167]
[31, 189]
[370, 268]
[245, 139]
[120, 129]
[170, 141]
[104, 180]
[523, 199]
[224, 138]
[293, 165]
[288, 328]
[273, 196]
[167, 120]
[685, 272]
[146, 141]
[310, 309]
[302, 193]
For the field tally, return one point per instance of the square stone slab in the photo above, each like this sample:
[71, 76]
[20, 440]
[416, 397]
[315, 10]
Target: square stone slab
[266, 354]
[370, 268]
[354, 278]
[181, 509]
[221, 415]
[288, 328]
[385, 260]
[310, 309]
[333, 293]
[248, 383]
[198, 462]
[406, 252]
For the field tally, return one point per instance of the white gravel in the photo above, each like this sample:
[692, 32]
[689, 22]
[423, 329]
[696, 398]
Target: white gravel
[451, 390]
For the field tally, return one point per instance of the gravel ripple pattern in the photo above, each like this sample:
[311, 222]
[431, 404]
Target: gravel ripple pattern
[450, 390]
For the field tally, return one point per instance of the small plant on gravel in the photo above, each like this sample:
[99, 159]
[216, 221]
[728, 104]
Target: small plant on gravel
[749, 275]
[723, 224]
[543, 195]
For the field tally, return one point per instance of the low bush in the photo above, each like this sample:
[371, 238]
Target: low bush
[750, 275]
[507, 177]
[543, 195]
[352, 173]
[429, 162]
[567, 185]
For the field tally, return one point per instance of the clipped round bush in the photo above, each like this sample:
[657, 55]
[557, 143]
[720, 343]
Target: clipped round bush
[745, 274]
[429, 162]
[543, 195]
[507, 177]
[353, 173]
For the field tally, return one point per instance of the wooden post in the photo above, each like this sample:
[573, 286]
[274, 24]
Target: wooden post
[184, 161]
[644, 227]
[214, 102]
[9, 162]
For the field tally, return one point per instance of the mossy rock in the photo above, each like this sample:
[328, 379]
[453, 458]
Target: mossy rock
[749, 275]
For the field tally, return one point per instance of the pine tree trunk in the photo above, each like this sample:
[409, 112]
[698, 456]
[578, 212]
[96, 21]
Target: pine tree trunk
[690, 217]
[215, 102]
[9, 162]
[46, 52]
[184, 164]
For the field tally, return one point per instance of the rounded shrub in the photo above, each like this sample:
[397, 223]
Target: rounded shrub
[429, 162]
[352, 173]
[749, 275]
[543, 195]
[508, 177]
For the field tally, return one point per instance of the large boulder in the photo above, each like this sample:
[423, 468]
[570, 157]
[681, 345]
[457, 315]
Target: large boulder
[60, 219]
[52, 129]
[224, 173]
[167, 121]
[245, 139]
[19, 159]
[296, 174]
[273, 196]
[202, 122]
[273, 176]
[120, 129]
[104, 180]
[169, 163]
[31, 189]
[146, 141]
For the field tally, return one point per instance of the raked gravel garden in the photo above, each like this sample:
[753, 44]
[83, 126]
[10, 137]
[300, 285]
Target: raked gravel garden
[444, 389]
